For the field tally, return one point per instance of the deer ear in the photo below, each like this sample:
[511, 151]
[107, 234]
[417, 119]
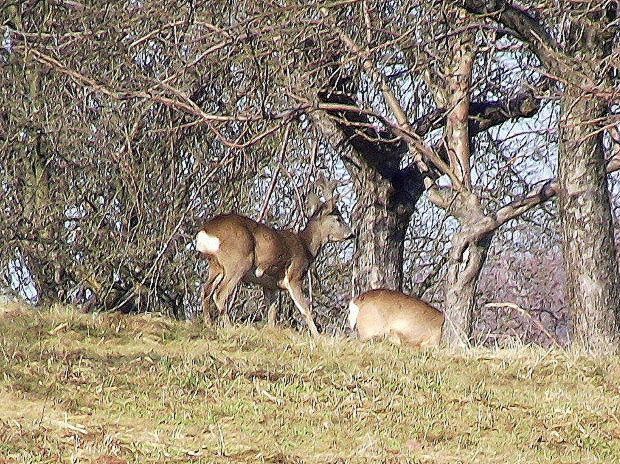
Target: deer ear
[330, 205]
[325, 187]
[313, 202]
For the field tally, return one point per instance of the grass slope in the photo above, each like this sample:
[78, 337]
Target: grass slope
[112, 389]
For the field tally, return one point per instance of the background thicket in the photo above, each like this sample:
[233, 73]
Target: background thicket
[452, 128]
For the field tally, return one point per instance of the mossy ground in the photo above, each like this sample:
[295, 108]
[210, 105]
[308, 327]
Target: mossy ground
[112, 389]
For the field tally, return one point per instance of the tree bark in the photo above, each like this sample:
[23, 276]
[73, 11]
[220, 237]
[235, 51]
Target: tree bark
[39, 257]
[593, 281]
[381, 224]
[465, 261]
[469, 247]
[460, 299]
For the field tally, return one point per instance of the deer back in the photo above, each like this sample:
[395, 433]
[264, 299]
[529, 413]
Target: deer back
[230, 237]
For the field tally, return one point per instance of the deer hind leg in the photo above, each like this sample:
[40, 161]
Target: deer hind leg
[216, 274]
[232, 276]
[270, 298]
[302, 303]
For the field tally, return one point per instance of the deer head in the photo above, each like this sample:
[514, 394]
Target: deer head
[325, 223]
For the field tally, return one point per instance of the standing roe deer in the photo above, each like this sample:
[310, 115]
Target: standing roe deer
[240, 249]
[401, 318]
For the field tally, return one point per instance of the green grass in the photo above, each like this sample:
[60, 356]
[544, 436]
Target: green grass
[111, 389]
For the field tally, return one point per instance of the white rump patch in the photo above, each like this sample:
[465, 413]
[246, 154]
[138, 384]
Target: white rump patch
[259, 272]
[206, 243]
[354, 311]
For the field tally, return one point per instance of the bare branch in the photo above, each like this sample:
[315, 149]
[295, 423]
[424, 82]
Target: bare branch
[524, 25]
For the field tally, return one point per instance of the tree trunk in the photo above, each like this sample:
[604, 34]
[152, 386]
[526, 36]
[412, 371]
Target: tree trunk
[41, 262]
[593, 282]
[461, 285]
[381, 223]
[386, 199]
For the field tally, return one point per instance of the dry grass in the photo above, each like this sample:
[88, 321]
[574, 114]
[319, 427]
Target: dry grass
[112, 389]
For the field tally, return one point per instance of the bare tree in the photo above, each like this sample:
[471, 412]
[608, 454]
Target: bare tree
[124, 124]
[582, 60]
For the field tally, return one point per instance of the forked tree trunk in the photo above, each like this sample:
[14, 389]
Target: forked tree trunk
[593, 282]
[468, 254]
[461, 284]
[380, 225]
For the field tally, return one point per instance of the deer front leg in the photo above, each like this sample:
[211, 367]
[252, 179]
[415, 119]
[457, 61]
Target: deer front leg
[302, 303]
[270, 297]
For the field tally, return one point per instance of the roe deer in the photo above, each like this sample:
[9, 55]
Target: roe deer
[240, 249]
[401, 318]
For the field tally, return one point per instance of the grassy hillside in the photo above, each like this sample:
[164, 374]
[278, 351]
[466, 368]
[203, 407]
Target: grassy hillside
[112, 389]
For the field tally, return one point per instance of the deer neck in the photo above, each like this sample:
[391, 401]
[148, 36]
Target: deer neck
[312, 238]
